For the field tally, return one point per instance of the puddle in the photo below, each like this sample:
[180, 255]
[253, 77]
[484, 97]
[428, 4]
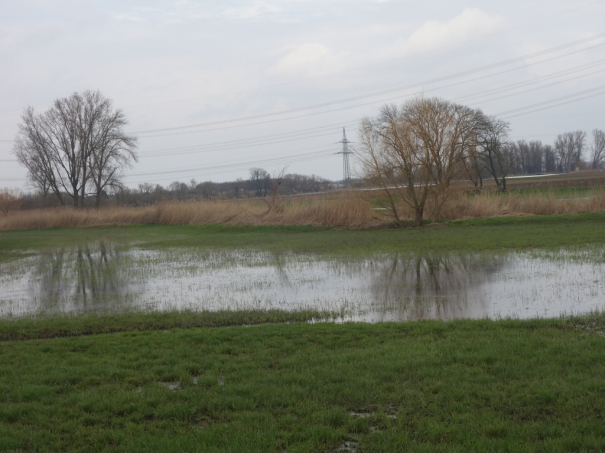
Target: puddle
[360, 414]
[350, 446]
[100, 278]
[174, 386]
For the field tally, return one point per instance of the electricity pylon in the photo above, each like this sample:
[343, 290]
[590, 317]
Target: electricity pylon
[346, 169]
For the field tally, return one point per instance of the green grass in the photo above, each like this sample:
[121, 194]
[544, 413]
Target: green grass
[61, 326]
[558, 192]
[96, 383]
[476, 235]
[461, 386]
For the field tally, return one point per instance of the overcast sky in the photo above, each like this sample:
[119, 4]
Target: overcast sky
[214, 88]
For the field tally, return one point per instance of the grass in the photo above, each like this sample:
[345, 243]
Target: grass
[472, 386]
[474, 235]
[354, 210]
[204, 382]
[94, 324]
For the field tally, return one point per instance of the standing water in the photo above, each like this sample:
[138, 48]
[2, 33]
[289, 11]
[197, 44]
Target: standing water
[101, 278]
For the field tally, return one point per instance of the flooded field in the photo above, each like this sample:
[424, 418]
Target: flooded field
[102, 278]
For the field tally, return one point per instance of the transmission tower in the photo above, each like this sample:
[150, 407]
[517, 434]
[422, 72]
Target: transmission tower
[346, 169]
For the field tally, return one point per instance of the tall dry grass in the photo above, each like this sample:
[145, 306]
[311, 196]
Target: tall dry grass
[493, 204]
[351, 210]
[338, 210]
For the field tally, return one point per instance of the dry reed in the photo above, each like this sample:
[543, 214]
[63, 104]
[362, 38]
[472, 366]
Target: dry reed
[351, 210]
[340, 210]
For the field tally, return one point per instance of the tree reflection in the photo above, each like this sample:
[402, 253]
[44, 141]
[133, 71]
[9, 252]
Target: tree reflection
[88, 277]
[437, 287]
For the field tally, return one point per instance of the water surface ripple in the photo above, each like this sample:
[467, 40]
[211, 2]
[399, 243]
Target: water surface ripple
[387, 287]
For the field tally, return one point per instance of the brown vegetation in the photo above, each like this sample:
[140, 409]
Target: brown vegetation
[351, 210]
[493, 204]
[337, 210]
[10, 200]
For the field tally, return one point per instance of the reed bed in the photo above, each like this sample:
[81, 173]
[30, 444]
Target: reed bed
[350, 210]
[338, 210]
[494, 204]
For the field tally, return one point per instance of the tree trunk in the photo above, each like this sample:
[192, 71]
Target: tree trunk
[419, 213]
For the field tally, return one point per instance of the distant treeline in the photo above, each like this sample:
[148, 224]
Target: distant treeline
[259, 184]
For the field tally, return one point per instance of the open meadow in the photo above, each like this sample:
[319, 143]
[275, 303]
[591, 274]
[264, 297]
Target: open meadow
[108, 358]
[261, 226]
[358, 209]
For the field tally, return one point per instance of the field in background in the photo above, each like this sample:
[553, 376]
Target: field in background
[355, 209]
[165, 384]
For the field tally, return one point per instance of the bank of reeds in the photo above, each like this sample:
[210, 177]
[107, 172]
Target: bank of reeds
[352, 210]
[331, 211]
[494, 204]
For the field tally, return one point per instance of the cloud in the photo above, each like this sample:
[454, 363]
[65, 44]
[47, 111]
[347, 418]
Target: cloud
[310, 59]
[252, 9]
[433, 34]
[128, 17]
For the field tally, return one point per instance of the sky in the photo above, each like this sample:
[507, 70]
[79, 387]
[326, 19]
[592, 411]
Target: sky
[214, 88]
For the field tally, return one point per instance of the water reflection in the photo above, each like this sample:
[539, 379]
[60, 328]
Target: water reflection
[431, 286]
[101, 278]
[88, 277]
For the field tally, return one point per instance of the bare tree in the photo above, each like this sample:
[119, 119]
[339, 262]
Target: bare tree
[272, 201]
[260, 181]
[473, 168]
[569, 148]
[146, 188]
[77, 142]
[413, 152]
[598, 147]
[10, 200]
[179, 188]
[550, 159]
[111, 149]
[529, 157]
[498, 155]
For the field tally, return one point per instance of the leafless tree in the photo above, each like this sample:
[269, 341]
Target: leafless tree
[179, 188]
[598, 147]
[272, 199]
[78, 142]
[111, 149]
[414, 152]
[550, 159]
[146, 188]
[569, 148]
[473, 168]
[498, 155]
[260, 182]
[529, 157]
[10, 200]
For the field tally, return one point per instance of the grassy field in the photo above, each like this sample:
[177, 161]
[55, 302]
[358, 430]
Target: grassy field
[517, 232]
[353, 210]
[208, 382]
[415, 387]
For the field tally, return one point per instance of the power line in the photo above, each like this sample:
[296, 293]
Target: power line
[564, 116]
[539, 87]
[381, 92]
[235, 165]
[534, 80]
[381, 100]
[567, 97]
[375, 64]
[256, 141]
[346, 170]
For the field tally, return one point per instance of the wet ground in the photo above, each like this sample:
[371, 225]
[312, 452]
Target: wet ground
[102, 278]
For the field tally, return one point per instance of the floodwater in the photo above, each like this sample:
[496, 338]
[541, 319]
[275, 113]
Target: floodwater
[386, 287]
